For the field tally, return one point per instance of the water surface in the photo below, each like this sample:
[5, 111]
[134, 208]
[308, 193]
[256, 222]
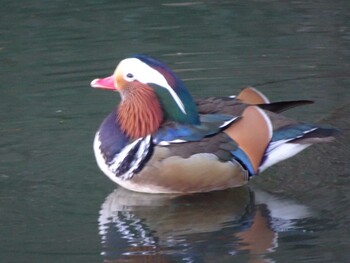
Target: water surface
[56, 206]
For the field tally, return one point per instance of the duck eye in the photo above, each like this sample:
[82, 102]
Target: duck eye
[129, 76]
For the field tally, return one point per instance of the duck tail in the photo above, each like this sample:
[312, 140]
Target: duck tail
[292, 139]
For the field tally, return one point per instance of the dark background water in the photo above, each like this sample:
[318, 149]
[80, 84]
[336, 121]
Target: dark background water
[56, 206]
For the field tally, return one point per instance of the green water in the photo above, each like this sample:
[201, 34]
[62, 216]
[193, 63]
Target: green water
[55, 204]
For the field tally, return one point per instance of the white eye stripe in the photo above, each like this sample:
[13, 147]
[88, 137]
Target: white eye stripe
[176, 98]
[135, 69]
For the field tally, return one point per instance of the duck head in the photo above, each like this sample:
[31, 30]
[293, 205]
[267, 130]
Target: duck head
[150, 94]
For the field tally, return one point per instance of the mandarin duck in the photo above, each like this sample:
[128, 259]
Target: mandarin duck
[160, 140]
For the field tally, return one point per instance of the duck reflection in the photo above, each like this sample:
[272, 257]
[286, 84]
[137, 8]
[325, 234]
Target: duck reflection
[136, 227]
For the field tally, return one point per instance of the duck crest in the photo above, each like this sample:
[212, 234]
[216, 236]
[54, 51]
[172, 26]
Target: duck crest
[140, 114]
[177, 103]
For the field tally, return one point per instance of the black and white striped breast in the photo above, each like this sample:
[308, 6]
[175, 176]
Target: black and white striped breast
[116, 154]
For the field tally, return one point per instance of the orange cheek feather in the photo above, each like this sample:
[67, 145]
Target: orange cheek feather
[119, 80]
[140, 112]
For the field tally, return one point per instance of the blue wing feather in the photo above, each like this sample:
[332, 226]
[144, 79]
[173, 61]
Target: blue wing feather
[242, 158]
[292, 132]
[210, 124]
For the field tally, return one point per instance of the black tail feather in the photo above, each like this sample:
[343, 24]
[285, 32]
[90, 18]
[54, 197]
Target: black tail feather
[321, 134]
[281, 106]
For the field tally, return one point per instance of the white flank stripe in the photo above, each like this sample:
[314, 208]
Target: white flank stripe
[228, 122]
[167, 143]
[266, 100]
[268, 121]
